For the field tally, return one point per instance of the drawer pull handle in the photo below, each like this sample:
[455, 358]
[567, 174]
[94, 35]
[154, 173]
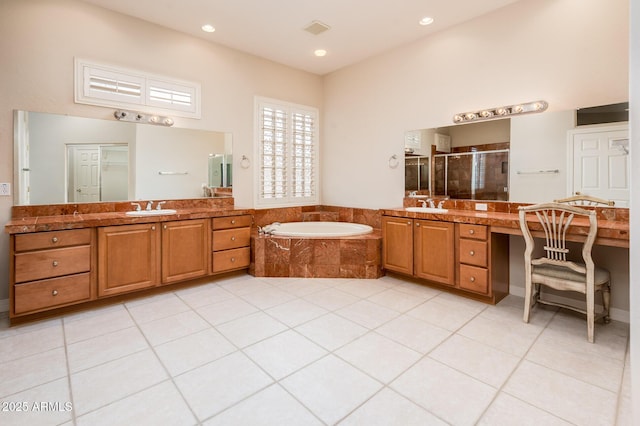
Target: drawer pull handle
[55, 263]
[471, 231]
[417, 224]
[408, 223]
[165, 226]
[54, 293]
[54, 240]
[472, 279]
[233, 221]
[233, 238]
[233, 259]
[471, 253]
[153, 228]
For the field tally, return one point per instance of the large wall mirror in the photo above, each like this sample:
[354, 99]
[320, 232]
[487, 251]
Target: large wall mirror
[65, 159]
[528, 158]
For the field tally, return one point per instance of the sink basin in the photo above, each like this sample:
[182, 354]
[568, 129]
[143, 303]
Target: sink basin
[142, 213]
[426, 210]
[419, 196]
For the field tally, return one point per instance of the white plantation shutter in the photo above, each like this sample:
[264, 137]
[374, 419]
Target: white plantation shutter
[108, 85]
[287, 153]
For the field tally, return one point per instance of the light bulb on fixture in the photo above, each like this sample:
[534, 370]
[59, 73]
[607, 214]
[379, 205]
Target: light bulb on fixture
[320, 52]
[427, 20]
[470, 116]
[486, 113]
[208, 28]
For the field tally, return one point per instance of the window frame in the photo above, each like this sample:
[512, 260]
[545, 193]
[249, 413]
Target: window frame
[289, 200]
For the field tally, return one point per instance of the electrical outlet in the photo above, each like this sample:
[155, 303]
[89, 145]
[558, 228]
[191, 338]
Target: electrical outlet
[5, 189]
[481, 206]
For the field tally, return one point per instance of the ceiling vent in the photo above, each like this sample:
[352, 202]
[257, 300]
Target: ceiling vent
[316, 27]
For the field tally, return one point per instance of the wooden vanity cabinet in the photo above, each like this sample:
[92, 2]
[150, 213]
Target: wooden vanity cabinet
[128, 258]
[433, 246]
[51, 269]
[231, 241]
[185, 250]
[397, 244]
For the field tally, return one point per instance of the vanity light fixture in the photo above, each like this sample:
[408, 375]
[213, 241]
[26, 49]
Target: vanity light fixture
[499, 112]
[140, 117]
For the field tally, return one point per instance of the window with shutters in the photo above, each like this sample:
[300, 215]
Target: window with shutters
[107, 85]
[286, 153]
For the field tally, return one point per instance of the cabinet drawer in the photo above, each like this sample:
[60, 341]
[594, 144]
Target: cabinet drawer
[37, 265]
[231, 238]
[474, 279]
[54, 239]
[477, 232]
[473, 252]
[231, 222]
[228, 260]
[50, 293]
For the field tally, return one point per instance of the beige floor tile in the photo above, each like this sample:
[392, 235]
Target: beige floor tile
[96, 324]
[482, 362]
[507, 410]
[331, 331]
[269, 407]
[416, 289]
[47, 404]
[300, 287]
[162, 308]
[158, 405]
[7, 330]
[572, 400]
[397, 300]
[109, 382]
[174, 327]
[332, 299]
[331, 388]
[378, 356]
[624, 415]
[107, 347]
[284, 353]
[220, 384]
[199, 296]
[414, 333]
[193, 351]
[31, 342]
[251, 329]
[246, 286]
[514, 337]
[296, 312]
[444, 315]
[363, 288]
[34, 370]
[367, 314]
[389, 408]
[227, 310]
[265, 299]
[452, 396]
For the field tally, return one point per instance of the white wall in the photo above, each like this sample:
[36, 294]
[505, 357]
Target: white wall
[571, 53]
[40, 38]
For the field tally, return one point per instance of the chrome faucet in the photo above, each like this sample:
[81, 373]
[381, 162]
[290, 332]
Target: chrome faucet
[149, 205]
[430, 201]
[440, 203]
[159, 205]
[137, 205]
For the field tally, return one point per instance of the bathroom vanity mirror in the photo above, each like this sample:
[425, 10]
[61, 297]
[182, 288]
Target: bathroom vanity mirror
[469, 161]
[65, 159]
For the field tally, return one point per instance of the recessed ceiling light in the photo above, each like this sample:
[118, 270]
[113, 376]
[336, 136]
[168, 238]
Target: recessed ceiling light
[320, 52]
[208, 28]
[426, 20]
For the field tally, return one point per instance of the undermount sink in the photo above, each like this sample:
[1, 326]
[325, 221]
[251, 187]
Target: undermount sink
[426, 210]
[142, 213]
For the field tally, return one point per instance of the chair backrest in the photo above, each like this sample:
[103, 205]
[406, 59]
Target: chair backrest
[585, 200]
[554, 220]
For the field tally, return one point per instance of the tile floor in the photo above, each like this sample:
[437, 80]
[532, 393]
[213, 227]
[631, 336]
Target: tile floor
[257, 351]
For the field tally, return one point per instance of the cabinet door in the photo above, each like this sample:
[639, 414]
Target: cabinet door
[397, 244]
[185, 250]
[434, 256]
[128, 258]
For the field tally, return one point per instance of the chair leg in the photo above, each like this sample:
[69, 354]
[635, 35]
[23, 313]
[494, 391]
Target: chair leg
[606, 300]
[590, 315]
[527, 299]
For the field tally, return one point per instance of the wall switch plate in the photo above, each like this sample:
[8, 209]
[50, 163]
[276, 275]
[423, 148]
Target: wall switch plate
[481, 206]
[5, 189]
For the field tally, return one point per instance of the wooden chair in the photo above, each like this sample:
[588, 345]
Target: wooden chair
[585, 200]
[555, 269]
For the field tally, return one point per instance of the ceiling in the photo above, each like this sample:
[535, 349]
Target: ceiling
[275, 29]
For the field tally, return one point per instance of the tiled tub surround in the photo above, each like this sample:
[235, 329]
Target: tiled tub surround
[343, 257]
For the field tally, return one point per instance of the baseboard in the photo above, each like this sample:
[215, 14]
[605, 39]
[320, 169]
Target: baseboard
[4, 305]
[614, 313]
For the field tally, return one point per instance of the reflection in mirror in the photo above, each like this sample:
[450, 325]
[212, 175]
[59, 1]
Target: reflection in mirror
[62, 159]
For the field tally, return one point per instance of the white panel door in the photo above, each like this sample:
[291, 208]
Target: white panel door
[86, 174]
[601, 165]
